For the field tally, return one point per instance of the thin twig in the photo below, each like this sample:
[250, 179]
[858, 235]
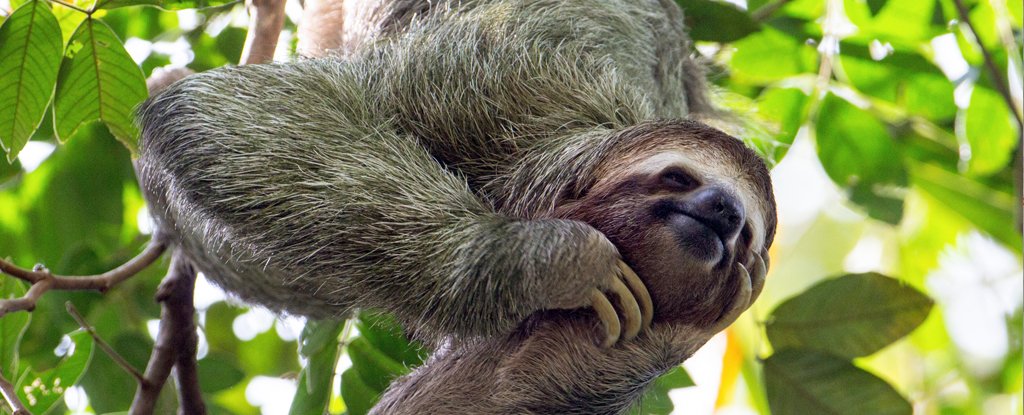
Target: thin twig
[266, 18]
[764, 12]
[11, 396]
[72, 7]
[102, 343]
[43, 280]
[990, 64]
[176, 344]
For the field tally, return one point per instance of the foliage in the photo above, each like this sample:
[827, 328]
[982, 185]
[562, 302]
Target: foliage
[921, 150]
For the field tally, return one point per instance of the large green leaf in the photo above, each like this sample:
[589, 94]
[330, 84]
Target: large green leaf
[990, 131]
[769, 56]
[79, 208]
[41, 392]
[30, 53]
[989, 209]
[379, 355]
[12, 327]
[716, 21]
[849, 316]
[218, 372]
[858, 153]
[319, 344]
[802, 382]
[98, 81]
[359, 398]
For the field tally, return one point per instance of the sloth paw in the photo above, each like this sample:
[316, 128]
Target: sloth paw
[634, 303]
[751, 284]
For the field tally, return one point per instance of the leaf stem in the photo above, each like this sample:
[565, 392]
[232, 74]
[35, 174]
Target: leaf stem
[72, 7]
[103, 344]
[990, 64]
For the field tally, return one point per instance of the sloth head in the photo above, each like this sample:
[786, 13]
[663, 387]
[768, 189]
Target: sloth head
[685, 204]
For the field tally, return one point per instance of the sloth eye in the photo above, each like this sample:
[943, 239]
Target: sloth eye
[678, 180]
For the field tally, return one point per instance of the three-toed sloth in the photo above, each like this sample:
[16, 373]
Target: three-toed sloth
[520, 182]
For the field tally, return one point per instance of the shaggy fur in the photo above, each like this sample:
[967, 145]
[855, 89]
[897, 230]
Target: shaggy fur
[451, 165]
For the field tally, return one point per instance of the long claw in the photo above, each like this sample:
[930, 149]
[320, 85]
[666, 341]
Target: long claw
[739, 305]
[757, 277]
[643, 297]
[606, 313]
[630, 310]
[766, 258]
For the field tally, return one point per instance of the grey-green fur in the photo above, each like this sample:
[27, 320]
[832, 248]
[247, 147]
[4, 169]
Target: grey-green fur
[419, 175]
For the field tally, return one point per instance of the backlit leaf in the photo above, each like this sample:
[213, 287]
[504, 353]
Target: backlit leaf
[849, 316]
[802, 382]
[40, 392]
[98, 81]
[30, 53]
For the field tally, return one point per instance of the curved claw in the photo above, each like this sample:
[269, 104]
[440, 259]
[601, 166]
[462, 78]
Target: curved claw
[739, 305]
[643, 297]
[766, 258]
[630, 309]
[757, 277]
[607, 315]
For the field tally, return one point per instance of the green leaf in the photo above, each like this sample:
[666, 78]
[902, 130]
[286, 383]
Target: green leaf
[990, 131]
[41, 392]
[106, 383]
[318, 335]
[801, 382]
[385, 334]
[9, 171]
[359, 398]
[79, 208]
[320, 344]
[787, 108]
[858, 154]
[716, 21]
[875, 6]
[769, 56]
[98, 81]
[989, 209]
[218, 372]
[12, 326]
[30, 53]
[849, 316]
[163, 4]
[376, 368]
[656, 400]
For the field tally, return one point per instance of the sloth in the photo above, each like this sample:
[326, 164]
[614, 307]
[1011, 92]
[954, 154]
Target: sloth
[524, 184]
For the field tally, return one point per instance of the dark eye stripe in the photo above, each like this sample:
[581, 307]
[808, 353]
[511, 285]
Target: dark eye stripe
[677, 179]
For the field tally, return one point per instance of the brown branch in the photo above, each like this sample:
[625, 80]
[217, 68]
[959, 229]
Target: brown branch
[102, 343]
[176, 344]
[11, 396]
[43, 280]
[990, 64]
[266, 19]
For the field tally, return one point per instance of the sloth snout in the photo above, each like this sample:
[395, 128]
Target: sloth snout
[717, 209]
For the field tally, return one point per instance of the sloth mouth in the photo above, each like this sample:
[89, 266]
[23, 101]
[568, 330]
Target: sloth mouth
[699, 240]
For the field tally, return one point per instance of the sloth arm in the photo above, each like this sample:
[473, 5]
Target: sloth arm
[285, 187]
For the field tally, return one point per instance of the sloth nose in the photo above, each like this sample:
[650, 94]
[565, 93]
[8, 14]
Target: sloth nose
[718, 209]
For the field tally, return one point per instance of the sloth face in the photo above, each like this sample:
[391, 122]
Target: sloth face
[684, 215]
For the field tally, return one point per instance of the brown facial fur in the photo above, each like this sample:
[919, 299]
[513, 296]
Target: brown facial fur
[684, 287]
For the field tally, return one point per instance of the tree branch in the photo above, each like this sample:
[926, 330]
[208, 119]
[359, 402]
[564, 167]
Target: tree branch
[990, 64]
[11, 396]
[102, 343]
[266, 18]
[176, 344]
[43, 280]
